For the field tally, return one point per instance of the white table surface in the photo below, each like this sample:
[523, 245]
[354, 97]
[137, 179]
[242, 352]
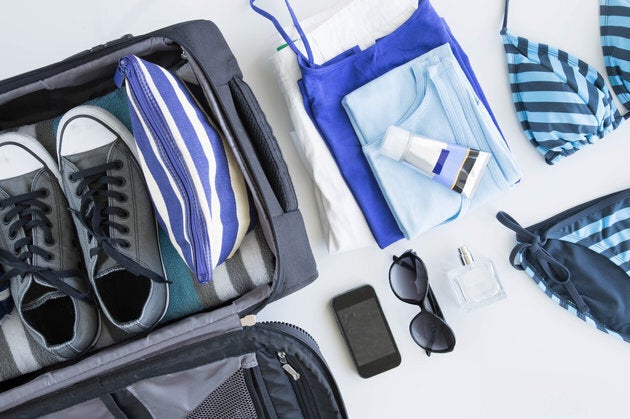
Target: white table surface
[523, 357]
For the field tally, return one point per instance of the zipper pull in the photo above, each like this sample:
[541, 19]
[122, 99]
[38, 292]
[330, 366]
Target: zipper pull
[248, 320]
[121, 72]
[282, 356]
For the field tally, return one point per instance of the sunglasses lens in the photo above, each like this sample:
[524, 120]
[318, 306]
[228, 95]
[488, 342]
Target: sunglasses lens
[432, 333]
[408, 278]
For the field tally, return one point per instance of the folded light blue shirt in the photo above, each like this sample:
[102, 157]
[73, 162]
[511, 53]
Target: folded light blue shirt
[431, 96]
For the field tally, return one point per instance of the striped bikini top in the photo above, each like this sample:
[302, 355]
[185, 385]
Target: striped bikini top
[562, 103]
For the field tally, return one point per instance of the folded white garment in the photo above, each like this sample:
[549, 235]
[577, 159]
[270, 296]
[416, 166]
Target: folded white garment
[358, 22]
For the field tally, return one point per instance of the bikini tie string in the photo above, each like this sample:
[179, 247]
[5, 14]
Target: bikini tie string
[530, 247]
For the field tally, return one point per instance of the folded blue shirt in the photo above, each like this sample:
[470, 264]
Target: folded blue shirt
[431, 96]
[324, 85]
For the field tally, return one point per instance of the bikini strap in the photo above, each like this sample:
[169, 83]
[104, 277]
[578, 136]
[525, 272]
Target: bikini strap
[505, 14]
[530, 246]
[283, 33]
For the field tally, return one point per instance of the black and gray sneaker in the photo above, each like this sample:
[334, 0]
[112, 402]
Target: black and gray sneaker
[39, 251]
[114, 217]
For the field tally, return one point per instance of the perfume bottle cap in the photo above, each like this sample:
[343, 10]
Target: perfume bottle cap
[465, 256]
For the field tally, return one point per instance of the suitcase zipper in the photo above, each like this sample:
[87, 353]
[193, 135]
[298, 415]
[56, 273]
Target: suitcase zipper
[261, 400]
[282, 356]
[170, 154]
[287, 328]
[303, 337]
[300, 387]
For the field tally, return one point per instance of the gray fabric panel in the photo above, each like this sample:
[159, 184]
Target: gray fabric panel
[130, 406]
[112, 406]
[93, 409]
[186, 73]
[190, 329]
[298, 264]
[176, 395]
[81, 74]
[252, 298]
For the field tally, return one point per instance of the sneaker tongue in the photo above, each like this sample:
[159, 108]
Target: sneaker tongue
[18, 185]
[91, 158]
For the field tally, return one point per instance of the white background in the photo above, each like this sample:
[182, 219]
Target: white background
[523, 357]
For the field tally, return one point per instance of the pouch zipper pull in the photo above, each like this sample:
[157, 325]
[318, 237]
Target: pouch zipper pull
[121, 72]
[282, 356]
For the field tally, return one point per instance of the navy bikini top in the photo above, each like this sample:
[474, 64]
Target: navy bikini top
[564, 104]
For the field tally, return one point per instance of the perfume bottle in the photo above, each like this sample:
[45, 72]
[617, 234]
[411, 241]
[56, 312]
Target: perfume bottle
[476, 283]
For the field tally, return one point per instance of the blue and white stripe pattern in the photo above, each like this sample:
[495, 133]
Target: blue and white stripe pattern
[564, 303]
[608, 235]
[580, 258]
[614, 19]
[196, 185]
[563, 104]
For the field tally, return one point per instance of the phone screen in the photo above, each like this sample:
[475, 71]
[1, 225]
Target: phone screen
[365, 330]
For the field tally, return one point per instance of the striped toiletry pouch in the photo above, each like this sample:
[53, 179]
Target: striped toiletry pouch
[581, 259]
[196, 185]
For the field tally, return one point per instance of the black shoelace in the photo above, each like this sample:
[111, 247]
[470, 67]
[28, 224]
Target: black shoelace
[95, 211]
[31, 214]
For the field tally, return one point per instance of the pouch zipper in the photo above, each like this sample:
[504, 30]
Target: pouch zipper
[170, 154]
[207, 87]
[299, 384]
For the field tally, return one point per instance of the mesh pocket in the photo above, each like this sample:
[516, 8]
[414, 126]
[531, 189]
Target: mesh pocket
[264, 143]
[230, 400]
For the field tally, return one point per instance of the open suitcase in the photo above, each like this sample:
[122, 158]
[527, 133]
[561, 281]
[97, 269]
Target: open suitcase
[219, 362]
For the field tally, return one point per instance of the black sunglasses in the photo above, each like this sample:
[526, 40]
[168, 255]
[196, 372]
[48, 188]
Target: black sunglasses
[410, 282]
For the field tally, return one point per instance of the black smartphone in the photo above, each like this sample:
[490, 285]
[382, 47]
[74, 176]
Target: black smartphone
[363, 325]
